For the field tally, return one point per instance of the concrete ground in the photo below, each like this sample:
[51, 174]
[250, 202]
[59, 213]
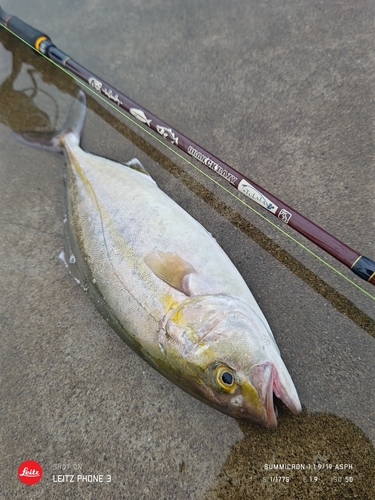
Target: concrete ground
[284, 92]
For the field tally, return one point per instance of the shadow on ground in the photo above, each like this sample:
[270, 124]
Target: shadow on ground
[343, 471]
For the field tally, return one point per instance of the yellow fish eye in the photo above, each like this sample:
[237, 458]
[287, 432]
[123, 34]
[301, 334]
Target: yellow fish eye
[225, 378]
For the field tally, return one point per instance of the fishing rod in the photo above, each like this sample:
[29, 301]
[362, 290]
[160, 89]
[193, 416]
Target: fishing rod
[362, 266]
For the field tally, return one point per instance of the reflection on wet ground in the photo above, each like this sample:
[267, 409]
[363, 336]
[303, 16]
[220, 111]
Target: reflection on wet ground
[290, 463]
[18, 109]
[324, 456]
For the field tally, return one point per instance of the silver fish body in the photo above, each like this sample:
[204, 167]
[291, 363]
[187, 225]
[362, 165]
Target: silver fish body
[167, 287]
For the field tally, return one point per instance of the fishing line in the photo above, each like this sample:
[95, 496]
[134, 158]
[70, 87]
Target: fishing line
[186, 160]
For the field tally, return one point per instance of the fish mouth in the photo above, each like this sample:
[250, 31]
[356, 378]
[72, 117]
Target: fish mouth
[266, 381]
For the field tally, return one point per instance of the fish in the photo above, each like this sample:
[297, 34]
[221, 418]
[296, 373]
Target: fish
[164, 284]
[140, 115]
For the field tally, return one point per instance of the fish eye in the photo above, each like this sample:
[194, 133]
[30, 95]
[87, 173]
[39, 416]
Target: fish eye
[225, 378]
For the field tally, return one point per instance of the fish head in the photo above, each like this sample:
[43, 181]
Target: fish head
[231, 359]
[249, 395]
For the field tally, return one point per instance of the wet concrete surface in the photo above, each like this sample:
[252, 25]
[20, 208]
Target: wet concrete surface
[284, 93]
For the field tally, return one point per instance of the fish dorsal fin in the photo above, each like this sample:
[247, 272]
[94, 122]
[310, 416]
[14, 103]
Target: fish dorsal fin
[171, 268]
[135, 164]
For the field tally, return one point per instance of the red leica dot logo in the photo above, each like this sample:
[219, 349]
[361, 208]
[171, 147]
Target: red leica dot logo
[30, 472]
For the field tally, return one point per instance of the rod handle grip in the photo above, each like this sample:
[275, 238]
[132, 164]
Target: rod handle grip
[22, 29]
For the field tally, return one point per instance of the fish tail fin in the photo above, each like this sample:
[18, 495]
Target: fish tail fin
[76, 119]
[52, 141]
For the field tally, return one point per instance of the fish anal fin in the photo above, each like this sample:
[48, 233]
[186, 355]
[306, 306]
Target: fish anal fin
[171, 268]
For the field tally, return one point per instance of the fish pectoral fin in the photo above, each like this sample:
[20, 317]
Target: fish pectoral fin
[171, 268]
